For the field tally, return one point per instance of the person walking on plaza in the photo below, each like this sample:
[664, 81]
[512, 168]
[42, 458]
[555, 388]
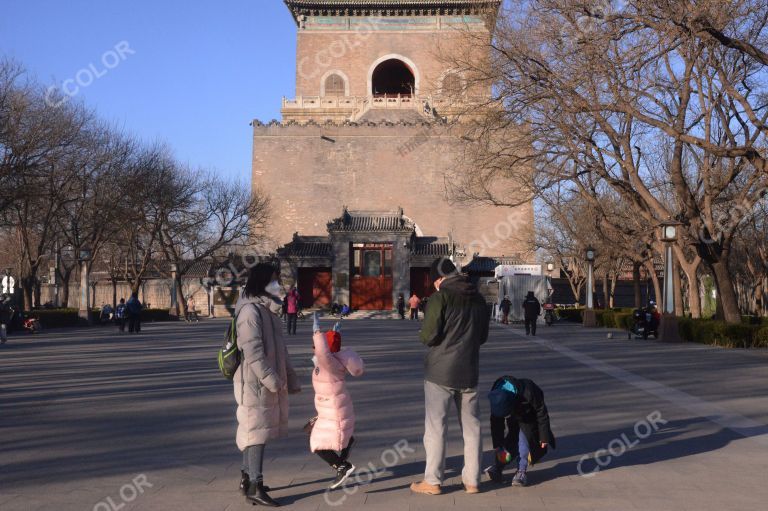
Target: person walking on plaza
[120, 313]
[531, 311]
[518, 407]
[264, 378]
[456, 324]
[401, 306]
[505, 307]
[414, 302]
[332, 433]
[133, 308]
[292, 310]
[192, 310]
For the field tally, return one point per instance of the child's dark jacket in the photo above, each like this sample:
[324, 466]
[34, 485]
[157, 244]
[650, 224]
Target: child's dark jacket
[529, 414]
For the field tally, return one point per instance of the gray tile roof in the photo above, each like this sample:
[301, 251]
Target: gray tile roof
[489, 264]
[306, 249]
[431, 247]
[370, 221]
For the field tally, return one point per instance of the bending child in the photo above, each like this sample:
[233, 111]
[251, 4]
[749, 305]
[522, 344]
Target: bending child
[518, 407]
[333, 431]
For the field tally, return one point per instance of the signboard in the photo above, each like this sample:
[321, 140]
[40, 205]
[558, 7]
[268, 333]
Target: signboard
[508, 270]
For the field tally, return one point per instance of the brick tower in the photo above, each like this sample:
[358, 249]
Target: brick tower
[366, 135]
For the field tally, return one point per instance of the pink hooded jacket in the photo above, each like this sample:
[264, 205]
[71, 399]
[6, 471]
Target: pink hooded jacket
[335, 413]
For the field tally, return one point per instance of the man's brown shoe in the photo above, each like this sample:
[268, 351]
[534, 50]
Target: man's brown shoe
[471, 489]
[426, 488]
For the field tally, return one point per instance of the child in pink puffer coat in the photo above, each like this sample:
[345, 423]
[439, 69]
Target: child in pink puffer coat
[335, 423]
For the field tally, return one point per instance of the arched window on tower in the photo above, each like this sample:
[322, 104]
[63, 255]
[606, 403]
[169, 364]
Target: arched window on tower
[335, 85]
[393, 77]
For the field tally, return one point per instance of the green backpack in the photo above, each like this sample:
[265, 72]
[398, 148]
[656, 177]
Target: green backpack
[229, 354]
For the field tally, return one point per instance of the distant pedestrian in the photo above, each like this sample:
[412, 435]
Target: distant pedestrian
[332, 433]
[413, 303]
[518, 407]
[455, 325]
[292, 310]
[106, 313]
[401, 305]
[264, 378]
[192, 310]
[531, 311]
[133, 308]
[120, 315]
[505, 306]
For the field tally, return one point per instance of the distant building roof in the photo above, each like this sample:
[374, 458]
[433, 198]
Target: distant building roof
[308, 249]
[371, 221]
[432, 247]
[489, 264]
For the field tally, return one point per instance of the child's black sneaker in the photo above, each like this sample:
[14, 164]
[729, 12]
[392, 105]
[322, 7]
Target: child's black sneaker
[494, 474]
[343, 471]
[520, 479]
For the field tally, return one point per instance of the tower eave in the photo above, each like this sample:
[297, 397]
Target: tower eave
[389, 7]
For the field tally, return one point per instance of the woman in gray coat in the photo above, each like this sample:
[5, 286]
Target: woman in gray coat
[263, 380]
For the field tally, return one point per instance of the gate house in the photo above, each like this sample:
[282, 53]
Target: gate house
[366, 260]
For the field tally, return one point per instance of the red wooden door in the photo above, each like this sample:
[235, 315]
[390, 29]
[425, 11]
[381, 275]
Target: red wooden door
[420, 283]
[371, 286]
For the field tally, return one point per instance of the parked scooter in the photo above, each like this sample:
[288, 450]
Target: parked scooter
[32, 325]
[645, 323]
[549, 314]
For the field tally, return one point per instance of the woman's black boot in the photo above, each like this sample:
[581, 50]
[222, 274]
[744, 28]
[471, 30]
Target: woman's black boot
[245, 482]
[257, 495]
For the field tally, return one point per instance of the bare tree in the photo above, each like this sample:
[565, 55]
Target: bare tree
[41, 147]
[221, 214]
[594, 99]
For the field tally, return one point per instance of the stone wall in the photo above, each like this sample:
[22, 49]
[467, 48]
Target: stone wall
[155, 294]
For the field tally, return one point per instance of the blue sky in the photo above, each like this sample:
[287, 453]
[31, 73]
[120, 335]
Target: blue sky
[200, 72]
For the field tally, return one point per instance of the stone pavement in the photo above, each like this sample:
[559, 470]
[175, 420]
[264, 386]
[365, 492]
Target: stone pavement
[92, 420]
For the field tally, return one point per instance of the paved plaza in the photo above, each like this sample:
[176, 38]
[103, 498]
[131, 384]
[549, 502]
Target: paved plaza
[92, 420]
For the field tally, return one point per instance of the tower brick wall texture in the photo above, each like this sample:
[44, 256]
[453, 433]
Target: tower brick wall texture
[376, 167]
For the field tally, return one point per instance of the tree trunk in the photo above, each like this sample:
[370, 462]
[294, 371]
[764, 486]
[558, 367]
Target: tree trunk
[606, 291]
[64, 289]
[678, 281]
[655, 280]
[763, 296]
[27, 287]
[694, 294]
[114, 293]
[614, 281]
[725, 291]
[636, 284]
[181, 303]
[37, 291]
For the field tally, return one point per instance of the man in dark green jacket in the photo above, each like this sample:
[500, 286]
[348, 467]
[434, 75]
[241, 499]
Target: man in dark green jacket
[455, 325]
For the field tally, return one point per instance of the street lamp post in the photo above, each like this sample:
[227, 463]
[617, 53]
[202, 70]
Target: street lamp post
[174, 311]
[85, 292]
[590, 318]
[668, 330]
[550, 269]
